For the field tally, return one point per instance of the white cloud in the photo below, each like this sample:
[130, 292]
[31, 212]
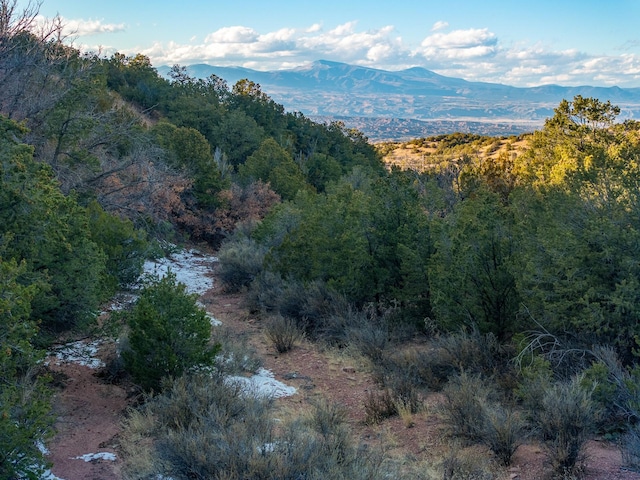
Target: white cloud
[475, 54]
[84, 28]
[343, 30]
[460, 39]
[236, 34]
[439, 25]
[316, 27]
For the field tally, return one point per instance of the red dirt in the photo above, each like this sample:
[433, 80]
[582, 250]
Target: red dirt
[89, 411]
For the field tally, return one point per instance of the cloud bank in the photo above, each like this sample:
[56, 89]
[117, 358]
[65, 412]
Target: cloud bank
[475, 54]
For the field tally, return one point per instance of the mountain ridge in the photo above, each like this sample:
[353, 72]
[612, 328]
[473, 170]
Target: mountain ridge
[330, 89]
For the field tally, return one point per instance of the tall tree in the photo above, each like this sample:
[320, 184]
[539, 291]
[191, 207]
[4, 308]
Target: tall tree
[472, 279]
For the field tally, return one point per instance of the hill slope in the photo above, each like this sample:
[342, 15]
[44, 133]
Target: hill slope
[341, 91]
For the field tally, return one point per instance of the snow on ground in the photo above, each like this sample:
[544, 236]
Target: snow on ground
[88, 457]
[80, 352]
[47, 475]
[190, 267]
[263, 384]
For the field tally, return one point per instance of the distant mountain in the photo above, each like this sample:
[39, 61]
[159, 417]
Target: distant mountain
[369, 97]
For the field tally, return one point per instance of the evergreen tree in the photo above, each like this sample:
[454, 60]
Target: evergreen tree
[169, 333]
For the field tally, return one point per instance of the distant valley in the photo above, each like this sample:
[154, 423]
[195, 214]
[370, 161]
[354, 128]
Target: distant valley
[398, 105]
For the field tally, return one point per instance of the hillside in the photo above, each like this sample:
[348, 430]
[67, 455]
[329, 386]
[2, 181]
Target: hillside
[486, 297]
[423, 154]
[325, 89]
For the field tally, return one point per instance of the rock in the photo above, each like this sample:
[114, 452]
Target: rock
[349, 370]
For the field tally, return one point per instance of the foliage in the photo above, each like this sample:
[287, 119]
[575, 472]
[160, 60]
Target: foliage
[459, 465]
[272, 164]
[203, 427]
[465, 400]
[565, 423]
[616, 390]
[51, 233]
[473, 414]
[241, 261]
[25, 416]
[630, 446]
[283, 333]
[169, 333]
[188, 149]
[379, 406]
[578, 274]
[472, 278]
[125, 247]
[359, 241]
[504, 430]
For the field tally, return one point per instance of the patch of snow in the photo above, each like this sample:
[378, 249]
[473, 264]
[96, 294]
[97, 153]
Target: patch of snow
[189, 266]
[120, 302]
[88, 457]
[47, 475]
[263, 384]
[79, 352]
[213, 321]
[269, 447]
[42, 447]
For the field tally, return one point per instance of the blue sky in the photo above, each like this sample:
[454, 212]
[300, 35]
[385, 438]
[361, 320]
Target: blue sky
[568, 42]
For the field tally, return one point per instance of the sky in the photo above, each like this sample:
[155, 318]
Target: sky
[565, 42]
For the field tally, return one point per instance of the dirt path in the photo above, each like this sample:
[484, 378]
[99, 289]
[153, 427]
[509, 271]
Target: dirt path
[88, 413]
[88, 410]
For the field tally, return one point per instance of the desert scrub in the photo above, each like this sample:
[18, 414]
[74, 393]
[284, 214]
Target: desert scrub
[203, 427]
[474, 415]
[241, 261]
[566, 419]
[630, 446]
[282, 332]
[503, 430]
[462, 465]
[463, 410]
[379, 406]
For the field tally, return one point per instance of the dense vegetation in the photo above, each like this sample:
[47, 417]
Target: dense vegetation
[531, 257]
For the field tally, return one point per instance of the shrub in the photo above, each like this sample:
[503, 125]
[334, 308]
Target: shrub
[472, 351]
[465, 466]
[320, 303]
[311, 305]
[265, 292]
[240, 262]
[202, 427]
[535, 381]
[616, 390]
[236, 356]
[369, 335]
[630, 446]
[168, 334]
[124, 246]
[566, 420]
[379, 406]
[326, 417]
[283, 333]
[503, 431]
[465, 400]
[469, 351]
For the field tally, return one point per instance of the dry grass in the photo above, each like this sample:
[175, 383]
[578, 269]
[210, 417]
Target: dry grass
[424, 155]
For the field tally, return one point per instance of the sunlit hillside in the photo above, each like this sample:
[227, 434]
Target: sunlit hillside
[425, 153]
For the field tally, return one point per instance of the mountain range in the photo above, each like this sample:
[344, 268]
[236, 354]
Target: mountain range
[416, 102]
